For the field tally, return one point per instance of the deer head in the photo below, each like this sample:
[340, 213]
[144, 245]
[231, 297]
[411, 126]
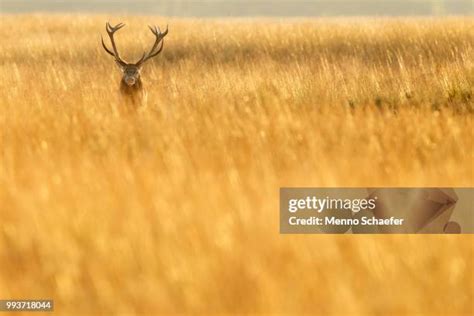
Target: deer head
[131, 71]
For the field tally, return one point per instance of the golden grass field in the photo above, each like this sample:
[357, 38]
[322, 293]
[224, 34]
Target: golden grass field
[172, 207]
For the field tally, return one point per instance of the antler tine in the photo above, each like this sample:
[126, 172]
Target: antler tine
[159, 39]
[111, 31]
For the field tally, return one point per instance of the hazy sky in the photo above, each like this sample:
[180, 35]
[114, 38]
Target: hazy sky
[246, 7]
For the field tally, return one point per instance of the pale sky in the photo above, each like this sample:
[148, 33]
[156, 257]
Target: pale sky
[237, 8]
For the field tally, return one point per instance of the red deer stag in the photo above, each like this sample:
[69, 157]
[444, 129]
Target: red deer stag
[131, 84]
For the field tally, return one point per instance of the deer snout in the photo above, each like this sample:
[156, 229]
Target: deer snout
[130, 81]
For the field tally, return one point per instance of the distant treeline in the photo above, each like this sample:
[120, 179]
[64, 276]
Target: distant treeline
[250, 8]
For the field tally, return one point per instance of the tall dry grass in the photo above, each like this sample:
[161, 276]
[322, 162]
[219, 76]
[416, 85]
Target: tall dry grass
[173, 207]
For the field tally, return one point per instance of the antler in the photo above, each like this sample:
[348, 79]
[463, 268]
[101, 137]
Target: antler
[159, 39]
[111, 31]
